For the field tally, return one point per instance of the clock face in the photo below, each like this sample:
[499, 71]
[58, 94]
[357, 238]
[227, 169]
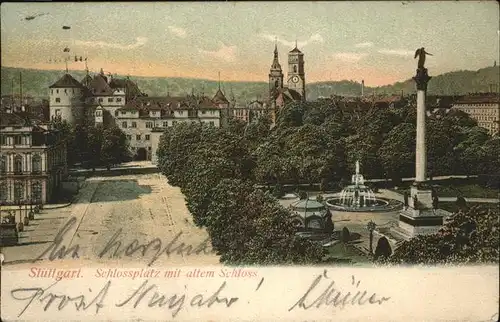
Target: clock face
[295, 79]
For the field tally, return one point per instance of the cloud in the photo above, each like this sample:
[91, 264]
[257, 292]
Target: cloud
[316, 38]
[178, 31]
[350, 57]
[139, 41]
[366, 44]
[396, 52]
[225, 53]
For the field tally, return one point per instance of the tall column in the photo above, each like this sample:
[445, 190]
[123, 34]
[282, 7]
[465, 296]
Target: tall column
[422, 79]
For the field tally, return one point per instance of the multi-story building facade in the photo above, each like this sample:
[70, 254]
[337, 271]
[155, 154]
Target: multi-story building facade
[32, 160]
[138, 118]
[484, 108]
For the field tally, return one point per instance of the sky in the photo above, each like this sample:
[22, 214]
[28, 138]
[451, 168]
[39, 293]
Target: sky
[373, 41]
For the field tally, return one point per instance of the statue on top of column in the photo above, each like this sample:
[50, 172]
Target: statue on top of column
[421, 53]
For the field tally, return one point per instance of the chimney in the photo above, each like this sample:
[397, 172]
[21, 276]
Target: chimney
[362, 88]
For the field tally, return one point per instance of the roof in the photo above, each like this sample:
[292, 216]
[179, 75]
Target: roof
[18, 119]
[131, 88]
[67, 81]
[86, 80]
[295, 50]
[308, 204]
[100, 86]
[487, 99]
[220, 98]
[169, 103]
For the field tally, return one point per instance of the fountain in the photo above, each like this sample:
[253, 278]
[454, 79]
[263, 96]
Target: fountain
[359, 198]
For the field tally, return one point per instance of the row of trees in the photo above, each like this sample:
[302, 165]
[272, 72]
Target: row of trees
[217, 170]
[94, 145]
[214, 169]
[317, 141]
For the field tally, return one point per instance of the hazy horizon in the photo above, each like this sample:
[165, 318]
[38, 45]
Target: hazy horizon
[374, 41]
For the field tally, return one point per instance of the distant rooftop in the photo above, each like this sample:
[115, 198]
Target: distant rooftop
[67, 81]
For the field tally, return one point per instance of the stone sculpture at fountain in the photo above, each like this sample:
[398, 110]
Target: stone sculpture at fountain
[357, 196]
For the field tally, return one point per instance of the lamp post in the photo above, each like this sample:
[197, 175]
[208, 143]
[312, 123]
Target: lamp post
[20, 225]
[371, 227]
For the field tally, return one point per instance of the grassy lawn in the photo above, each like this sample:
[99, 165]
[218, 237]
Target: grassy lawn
[348, 255]
[468, 190]
[452, 207]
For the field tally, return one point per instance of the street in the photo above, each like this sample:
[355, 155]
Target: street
[136, 209]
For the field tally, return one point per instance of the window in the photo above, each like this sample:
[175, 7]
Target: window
[134, 124]
[51, 91]
[3, 139]
[203, 112]
[58, 100]
[100, 100]
[73, 90]
[149, 148]
[295, 68]
[119, 99]
[18, 140]
[18, 190]
[174, 122]
[138, 137]
[129, 137]
[122, 112]
[124, 125]
[3, 191]
[212, 123]
[36, 191]
[147, 137]
[110, 99]
[58, 112]
[36, 164]
[65, 91]
[3, 164]
[165, 124]
[57, 91]
[116, 113]
[149, 125]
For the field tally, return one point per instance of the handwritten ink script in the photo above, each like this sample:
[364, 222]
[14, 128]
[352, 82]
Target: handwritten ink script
[115, 248]
[332, 296]
[148, 294]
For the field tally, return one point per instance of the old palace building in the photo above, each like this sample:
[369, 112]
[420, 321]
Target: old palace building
[32, 159]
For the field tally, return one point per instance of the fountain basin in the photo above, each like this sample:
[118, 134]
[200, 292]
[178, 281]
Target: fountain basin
[375, 205]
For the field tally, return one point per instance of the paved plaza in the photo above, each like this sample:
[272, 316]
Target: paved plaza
[143, 206]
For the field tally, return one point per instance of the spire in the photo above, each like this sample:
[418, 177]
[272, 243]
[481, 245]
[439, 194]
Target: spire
[276, 63]
[66, 66]
[219, 81]
[275, 46]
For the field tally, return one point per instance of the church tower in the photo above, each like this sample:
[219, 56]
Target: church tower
[275, 73]
[296, 73]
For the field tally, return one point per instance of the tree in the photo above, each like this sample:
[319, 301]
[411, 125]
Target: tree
[397, 153]
[345, 236]
[468, 236]
[383, 250]
[115, 147]
[95, 141]
[248, 226]
[68, 133]
[469, 151]
[461, 203]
